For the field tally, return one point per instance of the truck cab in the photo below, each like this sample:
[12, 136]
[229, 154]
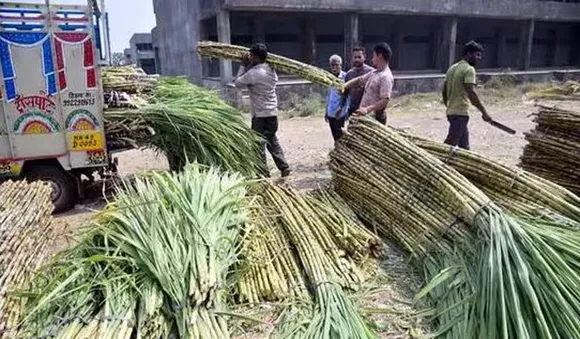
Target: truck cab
[51, 111]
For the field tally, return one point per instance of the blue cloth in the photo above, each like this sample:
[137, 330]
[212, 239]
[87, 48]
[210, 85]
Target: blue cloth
[333, 99]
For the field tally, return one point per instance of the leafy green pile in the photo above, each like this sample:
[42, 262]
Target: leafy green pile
[189, 123]
[153, 264]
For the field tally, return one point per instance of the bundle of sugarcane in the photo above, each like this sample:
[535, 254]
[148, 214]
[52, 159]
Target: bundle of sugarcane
[121, 100]
[26, 235]
[269, 269]
[519, 191]
[352, 236]
[125, 133]
[553, 150]
[311, 73]
[327, 269]
[492, 274]
[153, 264]
[570, 90]
[129, 79]
[188, 123]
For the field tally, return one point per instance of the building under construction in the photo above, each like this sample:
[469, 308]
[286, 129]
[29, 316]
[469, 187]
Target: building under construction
[535, 36]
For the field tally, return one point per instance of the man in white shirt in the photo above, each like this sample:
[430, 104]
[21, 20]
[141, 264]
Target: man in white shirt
[260, 80]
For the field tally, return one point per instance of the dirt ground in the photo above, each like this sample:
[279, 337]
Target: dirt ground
[307, 142]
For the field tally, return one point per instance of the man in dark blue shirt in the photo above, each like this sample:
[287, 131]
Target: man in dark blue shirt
[352, 97]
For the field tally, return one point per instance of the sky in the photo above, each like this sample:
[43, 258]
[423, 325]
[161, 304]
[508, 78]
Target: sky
[126, 17]
[123, 25]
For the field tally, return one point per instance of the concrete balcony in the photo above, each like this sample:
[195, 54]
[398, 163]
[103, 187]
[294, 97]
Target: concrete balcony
[500, 9]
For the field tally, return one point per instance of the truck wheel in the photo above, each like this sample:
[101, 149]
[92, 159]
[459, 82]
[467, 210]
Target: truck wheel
[64, 193]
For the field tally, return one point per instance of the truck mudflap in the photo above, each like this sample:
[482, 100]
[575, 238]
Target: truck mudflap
[10, 168]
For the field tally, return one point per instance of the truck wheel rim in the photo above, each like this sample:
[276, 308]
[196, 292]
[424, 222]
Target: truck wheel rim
[56, 191]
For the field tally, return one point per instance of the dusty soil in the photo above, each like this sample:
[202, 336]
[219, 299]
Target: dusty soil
[307, 142]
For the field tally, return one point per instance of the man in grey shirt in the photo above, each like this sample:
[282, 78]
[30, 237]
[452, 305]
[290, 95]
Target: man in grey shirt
[260, 80]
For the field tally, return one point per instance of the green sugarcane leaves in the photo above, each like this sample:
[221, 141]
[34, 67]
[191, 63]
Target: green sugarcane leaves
[152, 265]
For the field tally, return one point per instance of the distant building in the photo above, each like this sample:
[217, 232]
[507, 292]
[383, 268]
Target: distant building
[426, 35]
[141, 53]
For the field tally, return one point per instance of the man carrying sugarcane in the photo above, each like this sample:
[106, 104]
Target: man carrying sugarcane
[458, 92]
[260, 80]
[378, 85]
[335, 115]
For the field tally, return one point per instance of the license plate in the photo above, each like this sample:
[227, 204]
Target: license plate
[85, 141]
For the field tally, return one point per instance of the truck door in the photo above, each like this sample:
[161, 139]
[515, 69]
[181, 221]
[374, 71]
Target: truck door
[78, 81]
[33, 125]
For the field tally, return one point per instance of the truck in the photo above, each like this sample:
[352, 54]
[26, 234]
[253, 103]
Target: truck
[51, 112]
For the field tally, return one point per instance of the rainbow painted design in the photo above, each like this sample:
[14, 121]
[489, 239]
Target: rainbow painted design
[35, 123]
[81, 120]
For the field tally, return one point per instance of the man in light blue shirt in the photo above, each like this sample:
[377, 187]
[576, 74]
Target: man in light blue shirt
[335, 114]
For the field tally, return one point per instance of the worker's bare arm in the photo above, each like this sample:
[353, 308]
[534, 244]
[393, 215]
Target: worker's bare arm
[444, 93]
[357, 82]
[378, 106]
[475, 101]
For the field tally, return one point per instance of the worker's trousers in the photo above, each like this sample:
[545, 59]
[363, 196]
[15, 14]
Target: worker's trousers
[336, 126]
[267, 127]
[458, 132]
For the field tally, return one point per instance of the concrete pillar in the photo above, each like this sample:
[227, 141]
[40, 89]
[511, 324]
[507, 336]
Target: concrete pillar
[398, 39]
[501, 41]
[526, 44]
[435, 41]
[575, 50]
[308, 38]
[351, 35]
[552, 50]
[224, 36]
[449, 41]
[258, 32]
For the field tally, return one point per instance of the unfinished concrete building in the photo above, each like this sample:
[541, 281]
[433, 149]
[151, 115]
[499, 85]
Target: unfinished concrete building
[535, 36]
[141, 52]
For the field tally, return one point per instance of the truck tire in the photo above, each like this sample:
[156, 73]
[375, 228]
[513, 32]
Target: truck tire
[64, 192]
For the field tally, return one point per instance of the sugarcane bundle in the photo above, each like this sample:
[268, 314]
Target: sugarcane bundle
[351, 235]
[311, 73]
[129, 79]
[125, 133]
[188, 123]
[514, 189]
[121, 100]
[345, 245]
[552, 168]
[270, 269]
[333, 314]
[557, 118]
[153, 264]
[491, 274]
[570, 90]
[26, 235]
[553, 149]
[358, 172]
